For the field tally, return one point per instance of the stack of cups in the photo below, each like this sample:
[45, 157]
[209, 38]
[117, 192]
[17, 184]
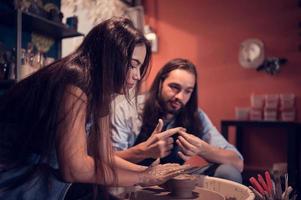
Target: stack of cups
[287, 107]
[242, 113]
[257, 104]
[271, 107]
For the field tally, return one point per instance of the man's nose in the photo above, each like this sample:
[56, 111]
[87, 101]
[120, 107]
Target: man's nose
[180, 95]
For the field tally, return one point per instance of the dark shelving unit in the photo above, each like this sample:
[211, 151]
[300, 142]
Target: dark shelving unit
[29, 22]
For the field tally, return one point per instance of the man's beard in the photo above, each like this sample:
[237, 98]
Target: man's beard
[166, 110]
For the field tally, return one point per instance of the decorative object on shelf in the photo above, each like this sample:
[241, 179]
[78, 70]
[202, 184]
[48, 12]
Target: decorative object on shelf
[37, 8]
[257, 106]
[98, 10]
[287, 107]
[32, 6]
[242, 113]
[72, 22]
[22, 4]
[54, 12]
[269, 107]
[41, 42]
[49, 10]
[251, 56]
[7, 63]
[26, 67]
[272, 65]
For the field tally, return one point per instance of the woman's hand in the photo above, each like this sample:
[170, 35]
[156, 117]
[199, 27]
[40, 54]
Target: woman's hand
[159, 174]
[159, 144]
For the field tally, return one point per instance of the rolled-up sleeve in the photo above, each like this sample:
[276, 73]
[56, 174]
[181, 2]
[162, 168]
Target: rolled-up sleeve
[214, 137]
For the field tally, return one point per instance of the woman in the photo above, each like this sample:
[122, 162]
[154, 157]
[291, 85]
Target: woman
[54, 125]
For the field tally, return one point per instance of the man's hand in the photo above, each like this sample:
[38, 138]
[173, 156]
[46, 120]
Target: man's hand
[190, 145]
[159, 144]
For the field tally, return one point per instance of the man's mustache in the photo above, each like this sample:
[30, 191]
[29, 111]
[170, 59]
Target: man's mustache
[177, 101]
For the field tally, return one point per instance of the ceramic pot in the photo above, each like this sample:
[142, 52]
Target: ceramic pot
[182, 186]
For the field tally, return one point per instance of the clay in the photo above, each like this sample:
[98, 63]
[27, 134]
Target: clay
[182, 186]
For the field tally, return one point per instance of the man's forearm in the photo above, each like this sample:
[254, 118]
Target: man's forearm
[221, 156]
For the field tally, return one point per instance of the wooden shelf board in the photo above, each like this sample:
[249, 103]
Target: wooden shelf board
[32, 22]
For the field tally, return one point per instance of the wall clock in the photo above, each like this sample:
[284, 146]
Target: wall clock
[251, 53]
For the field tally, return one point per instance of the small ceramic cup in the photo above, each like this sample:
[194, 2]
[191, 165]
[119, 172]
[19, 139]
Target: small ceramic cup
[182, 186]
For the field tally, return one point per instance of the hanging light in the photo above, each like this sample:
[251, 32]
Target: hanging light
[152, 37]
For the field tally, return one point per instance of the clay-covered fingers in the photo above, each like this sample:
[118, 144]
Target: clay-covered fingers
[175, 172]
[163, 169]
[173, 167]
[160, 173]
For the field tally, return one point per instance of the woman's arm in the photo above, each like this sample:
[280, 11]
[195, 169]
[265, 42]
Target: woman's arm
[124, 164]
[75, 163]
[158, 145]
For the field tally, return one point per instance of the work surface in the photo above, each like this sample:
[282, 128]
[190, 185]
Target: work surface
[157, 193]
[207, 188]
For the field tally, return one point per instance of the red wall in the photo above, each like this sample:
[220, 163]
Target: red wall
[209, 33]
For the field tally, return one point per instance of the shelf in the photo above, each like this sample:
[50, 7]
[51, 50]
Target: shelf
[249, 123]
[256, 168]
[32, 22]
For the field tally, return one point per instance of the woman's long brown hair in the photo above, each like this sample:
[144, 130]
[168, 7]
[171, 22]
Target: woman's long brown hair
[98, 67]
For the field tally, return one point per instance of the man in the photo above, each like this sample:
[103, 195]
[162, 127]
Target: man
[173, 98]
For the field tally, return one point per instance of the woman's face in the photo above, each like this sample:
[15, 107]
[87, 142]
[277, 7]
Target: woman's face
[134, 75]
